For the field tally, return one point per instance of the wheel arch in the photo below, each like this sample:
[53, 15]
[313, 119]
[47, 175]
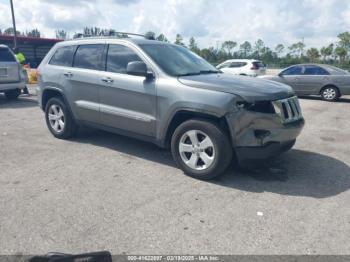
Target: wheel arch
[49, 93]
[184, 115]
[330, 85]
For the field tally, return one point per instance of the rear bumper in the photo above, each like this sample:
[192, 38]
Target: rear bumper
[258, 136]
[10, 86]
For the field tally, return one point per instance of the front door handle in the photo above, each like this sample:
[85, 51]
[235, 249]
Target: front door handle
[107, 80]
[68, 74]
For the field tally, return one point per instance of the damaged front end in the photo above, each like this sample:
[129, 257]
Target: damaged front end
[263, 129]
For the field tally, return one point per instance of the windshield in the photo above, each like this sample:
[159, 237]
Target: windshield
[177, 60]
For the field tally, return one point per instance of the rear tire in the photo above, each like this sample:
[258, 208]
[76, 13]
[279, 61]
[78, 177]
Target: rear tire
[59, 119]
[330, 93]
[201, 149]
[13, 94]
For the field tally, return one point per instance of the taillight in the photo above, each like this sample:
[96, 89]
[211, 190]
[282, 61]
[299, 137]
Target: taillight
[254, 67]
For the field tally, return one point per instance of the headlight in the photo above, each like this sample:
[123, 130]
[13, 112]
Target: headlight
[265, 107]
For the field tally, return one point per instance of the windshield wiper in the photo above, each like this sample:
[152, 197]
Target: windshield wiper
[210, 71]
[189, 74]
[201, 72]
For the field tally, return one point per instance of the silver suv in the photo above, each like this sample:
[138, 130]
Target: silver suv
[167, 95]
[12, 78]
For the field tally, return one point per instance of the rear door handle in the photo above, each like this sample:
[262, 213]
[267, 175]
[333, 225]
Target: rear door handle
[68, 74]
[107, 80]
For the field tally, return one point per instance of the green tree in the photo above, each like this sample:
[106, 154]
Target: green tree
[313, 54]
[267, 55]
[162, 38]
[344, 40]
[33, 33]
[327, 51]
[297, 49]
[193, 45]
[209, 54]
[279, 49]
[61, 34]
[228, 46]
[341, 52]
[179, 40]
[10, 31]
[245, 49]
[258, 46]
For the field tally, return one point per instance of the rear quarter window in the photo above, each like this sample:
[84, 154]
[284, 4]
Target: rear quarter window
[258, 64]
[63, 56]
[6, 55]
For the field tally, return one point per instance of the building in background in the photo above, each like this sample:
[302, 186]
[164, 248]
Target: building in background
[33, 48]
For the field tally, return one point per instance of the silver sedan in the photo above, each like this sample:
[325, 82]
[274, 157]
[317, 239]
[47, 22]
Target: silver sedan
[313, 79]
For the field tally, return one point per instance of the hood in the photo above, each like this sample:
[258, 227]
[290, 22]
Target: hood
[249, 88]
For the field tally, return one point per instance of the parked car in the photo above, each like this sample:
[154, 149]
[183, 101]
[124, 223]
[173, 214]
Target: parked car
[165, 94]
[245, 67]
[12, 78]
[314, 79]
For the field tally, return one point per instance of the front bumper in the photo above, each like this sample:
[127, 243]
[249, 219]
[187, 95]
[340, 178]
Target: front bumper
[258, 136]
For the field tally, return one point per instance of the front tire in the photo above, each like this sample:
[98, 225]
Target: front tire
[59, 120]
[201, 149]
[13, 94]
[330, 93]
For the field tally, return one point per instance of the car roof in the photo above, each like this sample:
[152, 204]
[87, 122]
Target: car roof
[137, 41]
[242, 60]
[310, 64]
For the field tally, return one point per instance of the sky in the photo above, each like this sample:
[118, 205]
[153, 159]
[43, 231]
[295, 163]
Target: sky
[210, 22]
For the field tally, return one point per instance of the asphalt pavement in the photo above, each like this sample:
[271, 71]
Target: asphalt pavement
[102, 191]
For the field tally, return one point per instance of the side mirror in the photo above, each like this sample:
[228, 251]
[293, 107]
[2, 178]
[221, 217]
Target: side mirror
[138, 68]
[281, 74]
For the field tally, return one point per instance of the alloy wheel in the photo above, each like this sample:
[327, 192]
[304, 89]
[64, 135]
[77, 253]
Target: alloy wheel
[329, 93]
[56, 118]
[197, 150]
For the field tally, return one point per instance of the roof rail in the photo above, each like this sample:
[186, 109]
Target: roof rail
[113, 34]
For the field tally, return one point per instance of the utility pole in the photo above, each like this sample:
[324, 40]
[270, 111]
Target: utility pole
[14, 26]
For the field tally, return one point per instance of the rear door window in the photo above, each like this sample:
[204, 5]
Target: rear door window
[237, 64]
[90, 57]
[118, 58]
[6, 55]
[63, 56]
[315, 70]
[294, 70]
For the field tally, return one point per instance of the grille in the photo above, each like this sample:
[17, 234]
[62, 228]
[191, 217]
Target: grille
[289, 109]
